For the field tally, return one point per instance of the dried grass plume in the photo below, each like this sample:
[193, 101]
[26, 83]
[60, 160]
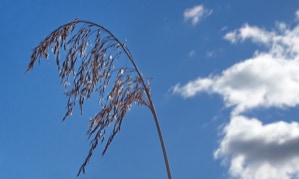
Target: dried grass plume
[92, 64]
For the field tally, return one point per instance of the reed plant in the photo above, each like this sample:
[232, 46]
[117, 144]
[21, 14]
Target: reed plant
[91, 61]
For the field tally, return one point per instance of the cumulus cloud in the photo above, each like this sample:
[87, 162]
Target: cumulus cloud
[268, 79]
[260, 151]
[196, 13]
[263, 81]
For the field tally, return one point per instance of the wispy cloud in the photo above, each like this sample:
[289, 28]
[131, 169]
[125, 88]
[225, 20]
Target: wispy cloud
[256, 34]
[297, 14]
[192, 53]
[196, 14]
[210, 53]
[267, 79]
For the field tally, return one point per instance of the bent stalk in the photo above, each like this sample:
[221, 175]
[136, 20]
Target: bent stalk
[94, 74]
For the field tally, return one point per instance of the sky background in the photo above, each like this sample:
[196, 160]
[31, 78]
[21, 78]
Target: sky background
[225, 85]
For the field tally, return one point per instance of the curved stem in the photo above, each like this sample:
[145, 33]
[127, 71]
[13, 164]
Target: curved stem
[161, 139]
[151, 104]
[153, 110]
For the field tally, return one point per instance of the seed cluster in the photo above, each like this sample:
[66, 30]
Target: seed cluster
[92, 66]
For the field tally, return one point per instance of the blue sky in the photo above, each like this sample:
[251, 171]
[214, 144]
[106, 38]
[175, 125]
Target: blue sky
[225, 87]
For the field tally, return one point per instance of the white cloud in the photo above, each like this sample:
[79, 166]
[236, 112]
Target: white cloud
[268, 79]
[250, 32]
[257, 151]
[263, 81]
[283, 41]
[210, 54]
[193, 87]
[192, 53]
[196, 14]
[297, 14]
